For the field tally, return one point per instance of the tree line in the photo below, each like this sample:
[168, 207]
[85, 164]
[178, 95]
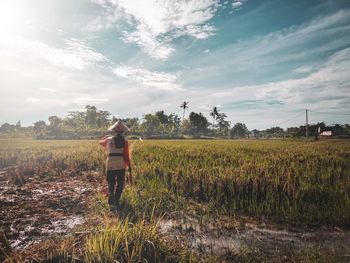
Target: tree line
[93, 123]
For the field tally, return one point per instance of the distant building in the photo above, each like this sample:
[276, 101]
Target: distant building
[326, 133]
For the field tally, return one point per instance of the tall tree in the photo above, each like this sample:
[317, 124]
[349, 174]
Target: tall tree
[184, 105]
[102, 118]
[215, 114]
[186, 127]
[163, 118]
[76, 119]
[18, 125]
[276, 132]
[39, 127]
[6, 128]
[150, 125]
[91, 115]
[199, 123]
[239, 130]
[174, 119]
[54, 121]
[223, 124]
[54, 125]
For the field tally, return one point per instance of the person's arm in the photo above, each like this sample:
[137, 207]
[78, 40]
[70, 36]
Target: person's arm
[127, 160]
[127, 155]
[104, 141]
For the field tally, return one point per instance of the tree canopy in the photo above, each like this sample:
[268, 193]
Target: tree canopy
[93, 122]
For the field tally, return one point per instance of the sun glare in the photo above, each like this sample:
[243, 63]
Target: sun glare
[13, 16]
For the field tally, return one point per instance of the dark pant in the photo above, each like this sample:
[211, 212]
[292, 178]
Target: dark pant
[114, 193]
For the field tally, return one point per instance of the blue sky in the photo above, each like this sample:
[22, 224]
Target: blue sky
[261, 62]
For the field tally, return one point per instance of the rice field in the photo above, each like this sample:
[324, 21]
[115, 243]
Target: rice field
[304, 183]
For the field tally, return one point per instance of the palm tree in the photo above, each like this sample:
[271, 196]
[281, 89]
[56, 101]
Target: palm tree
[184, 105]
[215, 114]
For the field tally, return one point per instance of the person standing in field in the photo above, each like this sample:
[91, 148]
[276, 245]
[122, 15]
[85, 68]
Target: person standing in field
[118, 159]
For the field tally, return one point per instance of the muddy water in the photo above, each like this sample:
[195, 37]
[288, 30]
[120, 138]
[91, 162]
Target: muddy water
[41, 207]
[216, 239]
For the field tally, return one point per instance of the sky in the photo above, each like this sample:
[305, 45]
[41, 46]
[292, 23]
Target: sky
[262, 63]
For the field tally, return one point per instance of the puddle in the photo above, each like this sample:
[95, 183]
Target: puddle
[215, 239]
[31, 231]
[61, 226]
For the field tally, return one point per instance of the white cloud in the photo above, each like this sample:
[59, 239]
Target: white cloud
[204, 107]
[155, 106]
[303, 69]
[47, 89]
[200, 32]
[252, 59]
[237, 4]
[31, 99]
[89, 100]
[35, 101]
[38, 79]
[317, 89]
[107, 21]
[149, 79]
[149, 43]
[75, 55]
[222, 94]
[157, 23]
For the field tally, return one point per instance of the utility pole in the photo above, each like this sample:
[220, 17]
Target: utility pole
[307, 124]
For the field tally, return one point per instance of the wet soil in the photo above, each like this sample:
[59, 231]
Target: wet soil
[34, 208]
[228, 236]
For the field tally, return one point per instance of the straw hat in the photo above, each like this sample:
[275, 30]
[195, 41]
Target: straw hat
[119, 126]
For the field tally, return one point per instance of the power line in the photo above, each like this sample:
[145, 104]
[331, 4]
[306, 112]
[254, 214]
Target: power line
[299, 114]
